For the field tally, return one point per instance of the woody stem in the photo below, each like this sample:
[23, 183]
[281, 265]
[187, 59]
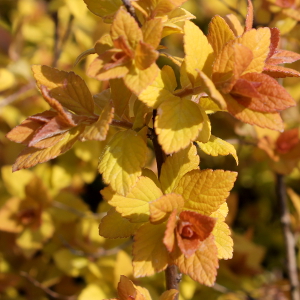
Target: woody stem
[171, 273]
[289, 238]
[131, 10]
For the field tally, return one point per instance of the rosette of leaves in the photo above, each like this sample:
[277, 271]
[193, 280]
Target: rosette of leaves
[176, 219]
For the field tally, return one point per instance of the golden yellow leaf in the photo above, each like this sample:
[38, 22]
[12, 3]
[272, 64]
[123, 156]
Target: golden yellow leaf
[152, 32]
[104, 8]
[161, 88]
[198, 52]
[29, 157]
[150, 174]
[258, 41]
[205, 132]
[209, 87]
[122, 160]
[178, 122]
[178, 165]
[137, 80]
[169, 295]
[222, 233]
[66, 87]
[161, 208]
[265, 120]
[205, 190]
[234, 24]
[202, 265]
[113, 226]
[120, 95]
[96, 70]
[8, 213]
[209, 105]
[219, 34]
[216, 146]
[150, 255]
[98, 130]
[124, 25]
[92, 291]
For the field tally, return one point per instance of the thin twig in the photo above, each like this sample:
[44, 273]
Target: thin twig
[79, 213]
[123, 124]
[13, 97]
[58, 44]
[45, 289]
[131, 10]
[233, 9]
[291, 262]
[100, 252]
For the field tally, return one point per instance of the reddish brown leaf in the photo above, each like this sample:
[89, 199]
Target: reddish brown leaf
[202, 225]
[275, 37]
[29, 157]
[57, 106]
[24, 132]
[287, 141]
[273, 97]
[44, 117]
[249, 17]
[283, 56]
[54, 127]
[280, 72]
[285, 3]
[246, 88]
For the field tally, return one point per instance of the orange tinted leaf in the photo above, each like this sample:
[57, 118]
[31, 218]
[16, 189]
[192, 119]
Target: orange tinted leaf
[24, 132]
[48, 141]
[211, 90]
[205, 190]
[29, 157]
[145, 55]
[149, 253]
[125, 25]
[264, 120]
[272, 96]
[258, 41]
[202, 265]
[275, 37]
[96, 68]
[287, 140]
[283, 56]
[162, 207]
[169, 295]
[219, 34]
[230, 64]
[234, 24]
[169, 236]
[67, 88]
[280, 72]
[126, 289]
[249, 17]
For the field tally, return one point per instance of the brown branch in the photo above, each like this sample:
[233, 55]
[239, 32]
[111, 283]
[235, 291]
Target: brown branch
[122, 124]
[171, 273]
[45, 289]
[131, 10]
[99, 253]
[13, 97]
[291, 262]
[58, 44]
[79, 213]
